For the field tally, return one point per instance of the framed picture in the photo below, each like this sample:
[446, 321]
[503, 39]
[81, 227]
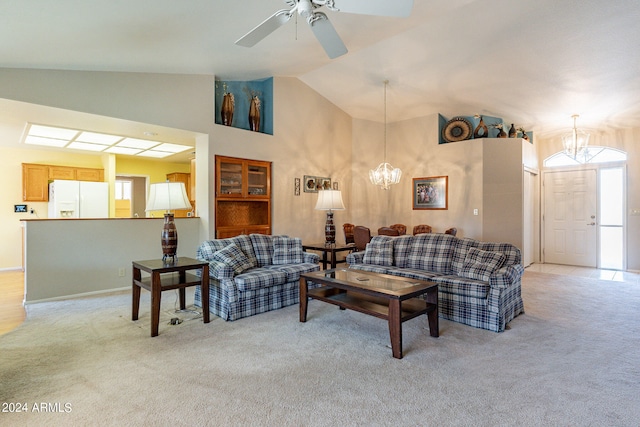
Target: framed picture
[431, 192]
[310, 184]
[335, 185]
[323, 183]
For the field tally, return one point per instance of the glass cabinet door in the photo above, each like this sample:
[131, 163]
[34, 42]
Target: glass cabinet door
[230, 178]
[258, 180]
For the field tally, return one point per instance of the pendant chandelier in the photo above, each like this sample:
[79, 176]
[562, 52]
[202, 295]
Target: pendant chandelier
[575, 143]
[385, 174]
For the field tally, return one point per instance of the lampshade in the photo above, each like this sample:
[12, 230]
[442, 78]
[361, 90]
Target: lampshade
[575, 143]
[329, 200]
[167, 196]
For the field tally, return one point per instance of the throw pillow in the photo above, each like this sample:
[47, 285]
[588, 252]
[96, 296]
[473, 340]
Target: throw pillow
[379, 251]
[287, 250]
[234, 257]
[480, 264]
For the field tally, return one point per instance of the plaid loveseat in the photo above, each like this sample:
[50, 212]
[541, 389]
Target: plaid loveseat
[252, 274]
[479, 283]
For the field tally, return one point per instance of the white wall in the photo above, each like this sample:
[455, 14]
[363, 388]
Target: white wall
[69, 257]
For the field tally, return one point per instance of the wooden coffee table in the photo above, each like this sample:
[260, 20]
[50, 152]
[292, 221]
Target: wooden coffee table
[387, 297]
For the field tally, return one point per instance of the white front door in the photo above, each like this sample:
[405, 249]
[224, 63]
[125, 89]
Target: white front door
[570, 218]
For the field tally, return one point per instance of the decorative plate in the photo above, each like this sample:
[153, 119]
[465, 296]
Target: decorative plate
[457, 129]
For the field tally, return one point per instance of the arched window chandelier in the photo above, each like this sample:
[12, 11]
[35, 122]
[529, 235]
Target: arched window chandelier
[385, 174]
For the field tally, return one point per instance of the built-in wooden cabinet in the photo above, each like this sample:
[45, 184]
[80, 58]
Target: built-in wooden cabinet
[88, 174]
[35, 183]
[185, 178]
[36, 177]
[243, 196]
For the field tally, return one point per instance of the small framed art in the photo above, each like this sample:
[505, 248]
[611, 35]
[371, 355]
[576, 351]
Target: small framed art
[431, 192]
[310, 184]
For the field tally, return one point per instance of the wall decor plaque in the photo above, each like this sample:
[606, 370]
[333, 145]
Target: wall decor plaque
[457, 129]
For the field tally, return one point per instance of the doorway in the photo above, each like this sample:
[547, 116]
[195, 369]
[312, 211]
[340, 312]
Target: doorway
[570, 217]
[584, 217]
[130, 196]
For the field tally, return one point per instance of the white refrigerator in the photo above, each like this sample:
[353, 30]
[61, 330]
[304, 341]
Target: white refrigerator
[78, 199]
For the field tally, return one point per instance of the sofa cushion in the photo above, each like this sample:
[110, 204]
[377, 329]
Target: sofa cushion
[412, 274]
[462, 287]
[431, 252]
[287, 250]
[206, 250]
[263, 248]
[258, 278]
[234, 257]
[401, 249]
[480, 264]
[293, 271]
[379, 251]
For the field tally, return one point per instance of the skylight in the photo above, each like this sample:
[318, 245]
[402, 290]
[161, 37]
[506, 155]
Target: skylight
[99, 142]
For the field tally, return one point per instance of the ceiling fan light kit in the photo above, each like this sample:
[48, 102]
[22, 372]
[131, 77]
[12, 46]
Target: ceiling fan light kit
[320, 25]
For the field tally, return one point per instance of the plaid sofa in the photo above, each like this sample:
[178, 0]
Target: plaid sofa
[479, 283]
[252, 274]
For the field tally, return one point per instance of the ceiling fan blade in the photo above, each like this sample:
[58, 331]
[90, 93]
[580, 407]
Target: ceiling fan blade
[265, 28]
[399, 8]
[327, 35]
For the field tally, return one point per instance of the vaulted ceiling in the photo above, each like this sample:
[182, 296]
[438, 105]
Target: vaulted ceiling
[532, 62]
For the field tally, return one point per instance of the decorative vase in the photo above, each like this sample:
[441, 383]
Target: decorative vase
[525, 136]
[329, 229]
[502, 133]
[169, 237]
[226, 111]
[512, 132]
[254, 114]
[481, 131]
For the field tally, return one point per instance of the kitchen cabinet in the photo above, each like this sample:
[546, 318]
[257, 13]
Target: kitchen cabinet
[62, 172]
[184, 178]
[243, 196]
[88, 174]
[36, 177]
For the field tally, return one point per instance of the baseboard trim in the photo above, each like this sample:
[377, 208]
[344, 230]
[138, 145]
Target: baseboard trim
[81, 295]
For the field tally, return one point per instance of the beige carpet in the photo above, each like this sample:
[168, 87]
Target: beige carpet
[572, 360]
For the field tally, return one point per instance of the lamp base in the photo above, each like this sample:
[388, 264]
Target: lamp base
[330, 230]
[169, 238]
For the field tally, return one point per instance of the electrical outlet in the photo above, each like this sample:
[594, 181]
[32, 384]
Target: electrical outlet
[121, 272]
[475, 211]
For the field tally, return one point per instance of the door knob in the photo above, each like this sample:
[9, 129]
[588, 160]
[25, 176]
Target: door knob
[592, 223]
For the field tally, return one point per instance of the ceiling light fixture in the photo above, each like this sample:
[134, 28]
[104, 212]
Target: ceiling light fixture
[575, 143]
[99, 142]
[385, 174]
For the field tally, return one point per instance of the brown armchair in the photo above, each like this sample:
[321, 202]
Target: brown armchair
[402, 229]
[453, 231]
[421, 229]
[348, 233]
[361, 236]
[387, 231]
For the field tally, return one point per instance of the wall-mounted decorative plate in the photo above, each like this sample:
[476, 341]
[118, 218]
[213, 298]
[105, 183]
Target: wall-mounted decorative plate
[457, 129]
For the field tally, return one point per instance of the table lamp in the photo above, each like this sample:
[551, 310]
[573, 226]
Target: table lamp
[329, 200]
[167, 196]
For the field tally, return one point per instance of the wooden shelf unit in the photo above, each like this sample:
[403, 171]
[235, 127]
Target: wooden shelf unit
[243, 196]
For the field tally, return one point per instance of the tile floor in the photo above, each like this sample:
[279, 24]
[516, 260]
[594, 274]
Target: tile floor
[594, 273]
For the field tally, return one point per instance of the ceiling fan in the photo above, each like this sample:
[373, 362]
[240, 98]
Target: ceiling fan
[320, 24]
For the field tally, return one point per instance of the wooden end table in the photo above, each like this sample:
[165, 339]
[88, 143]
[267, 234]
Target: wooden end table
[387, 297]
[331, 249]
[166, 276]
